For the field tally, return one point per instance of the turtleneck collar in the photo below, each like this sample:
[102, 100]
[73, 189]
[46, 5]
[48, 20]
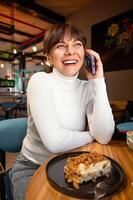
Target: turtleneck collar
[64, 82]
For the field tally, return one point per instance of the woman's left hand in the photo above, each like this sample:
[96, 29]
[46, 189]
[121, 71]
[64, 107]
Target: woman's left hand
[99, 66]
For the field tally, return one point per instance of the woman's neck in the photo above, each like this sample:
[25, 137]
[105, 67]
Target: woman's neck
[65, 82]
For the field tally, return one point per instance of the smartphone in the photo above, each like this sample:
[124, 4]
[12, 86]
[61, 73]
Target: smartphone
[90, 63]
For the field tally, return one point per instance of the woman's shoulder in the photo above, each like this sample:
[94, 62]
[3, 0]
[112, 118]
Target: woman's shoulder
[39, 80]
[84, 83]
[39, 77]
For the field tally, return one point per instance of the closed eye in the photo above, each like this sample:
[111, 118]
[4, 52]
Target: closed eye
[60, 45]
[78, 44]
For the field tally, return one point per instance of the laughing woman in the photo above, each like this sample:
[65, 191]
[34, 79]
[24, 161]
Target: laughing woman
[60, 106]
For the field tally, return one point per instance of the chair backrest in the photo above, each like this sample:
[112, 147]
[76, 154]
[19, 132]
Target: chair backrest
[12, 133]
[10, 109]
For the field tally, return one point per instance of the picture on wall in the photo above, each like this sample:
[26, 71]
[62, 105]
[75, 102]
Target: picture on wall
[113, 40]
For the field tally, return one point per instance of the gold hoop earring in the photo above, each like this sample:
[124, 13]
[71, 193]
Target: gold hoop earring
[48, 63]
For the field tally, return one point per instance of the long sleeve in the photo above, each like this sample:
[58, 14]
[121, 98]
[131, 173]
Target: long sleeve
[99, 113]
[43, 109]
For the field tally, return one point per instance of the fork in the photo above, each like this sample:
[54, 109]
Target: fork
[101, 189]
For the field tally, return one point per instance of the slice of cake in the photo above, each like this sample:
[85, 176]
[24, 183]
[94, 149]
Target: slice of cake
[86, 167]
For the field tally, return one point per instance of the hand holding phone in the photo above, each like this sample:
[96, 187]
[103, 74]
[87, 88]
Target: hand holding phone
[90, 63]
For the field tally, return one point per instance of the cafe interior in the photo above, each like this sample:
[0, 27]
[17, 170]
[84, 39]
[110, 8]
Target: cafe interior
[22, 28]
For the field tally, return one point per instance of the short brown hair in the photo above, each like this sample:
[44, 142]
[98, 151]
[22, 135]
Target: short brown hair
[57, 33]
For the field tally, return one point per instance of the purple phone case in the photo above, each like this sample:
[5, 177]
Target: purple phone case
[90, 62]
[93, 65]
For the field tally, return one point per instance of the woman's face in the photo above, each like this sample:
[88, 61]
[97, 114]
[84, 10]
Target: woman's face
[67, 56]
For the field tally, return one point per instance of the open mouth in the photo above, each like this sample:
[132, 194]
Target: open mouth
[68, 62]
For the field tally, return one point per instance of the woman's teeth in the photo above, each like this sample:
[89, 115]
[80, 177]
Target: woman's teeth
[70, 61]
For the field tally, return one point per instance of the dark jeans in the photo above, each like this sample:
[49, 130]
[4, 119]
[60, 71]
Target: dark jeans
[20, 175]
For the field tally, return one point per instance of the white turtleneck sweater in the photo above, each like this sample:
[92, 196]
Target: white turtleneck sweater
[58, 109]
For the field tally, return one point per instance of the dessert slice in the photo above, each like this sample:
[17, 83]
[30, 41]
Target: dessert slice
[86, 167]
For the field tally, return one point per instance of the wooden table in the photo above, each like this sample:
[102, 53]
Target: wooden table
[40, 189]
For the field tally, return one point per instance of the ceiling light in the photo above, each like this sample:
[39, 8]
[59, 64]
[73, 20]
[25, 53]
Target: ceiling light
[14, 51]
[2, 65]
[34, 48]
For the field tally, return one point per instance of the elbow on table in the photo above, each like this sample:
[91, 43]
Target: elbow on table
[104, 140]
[106, 136]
